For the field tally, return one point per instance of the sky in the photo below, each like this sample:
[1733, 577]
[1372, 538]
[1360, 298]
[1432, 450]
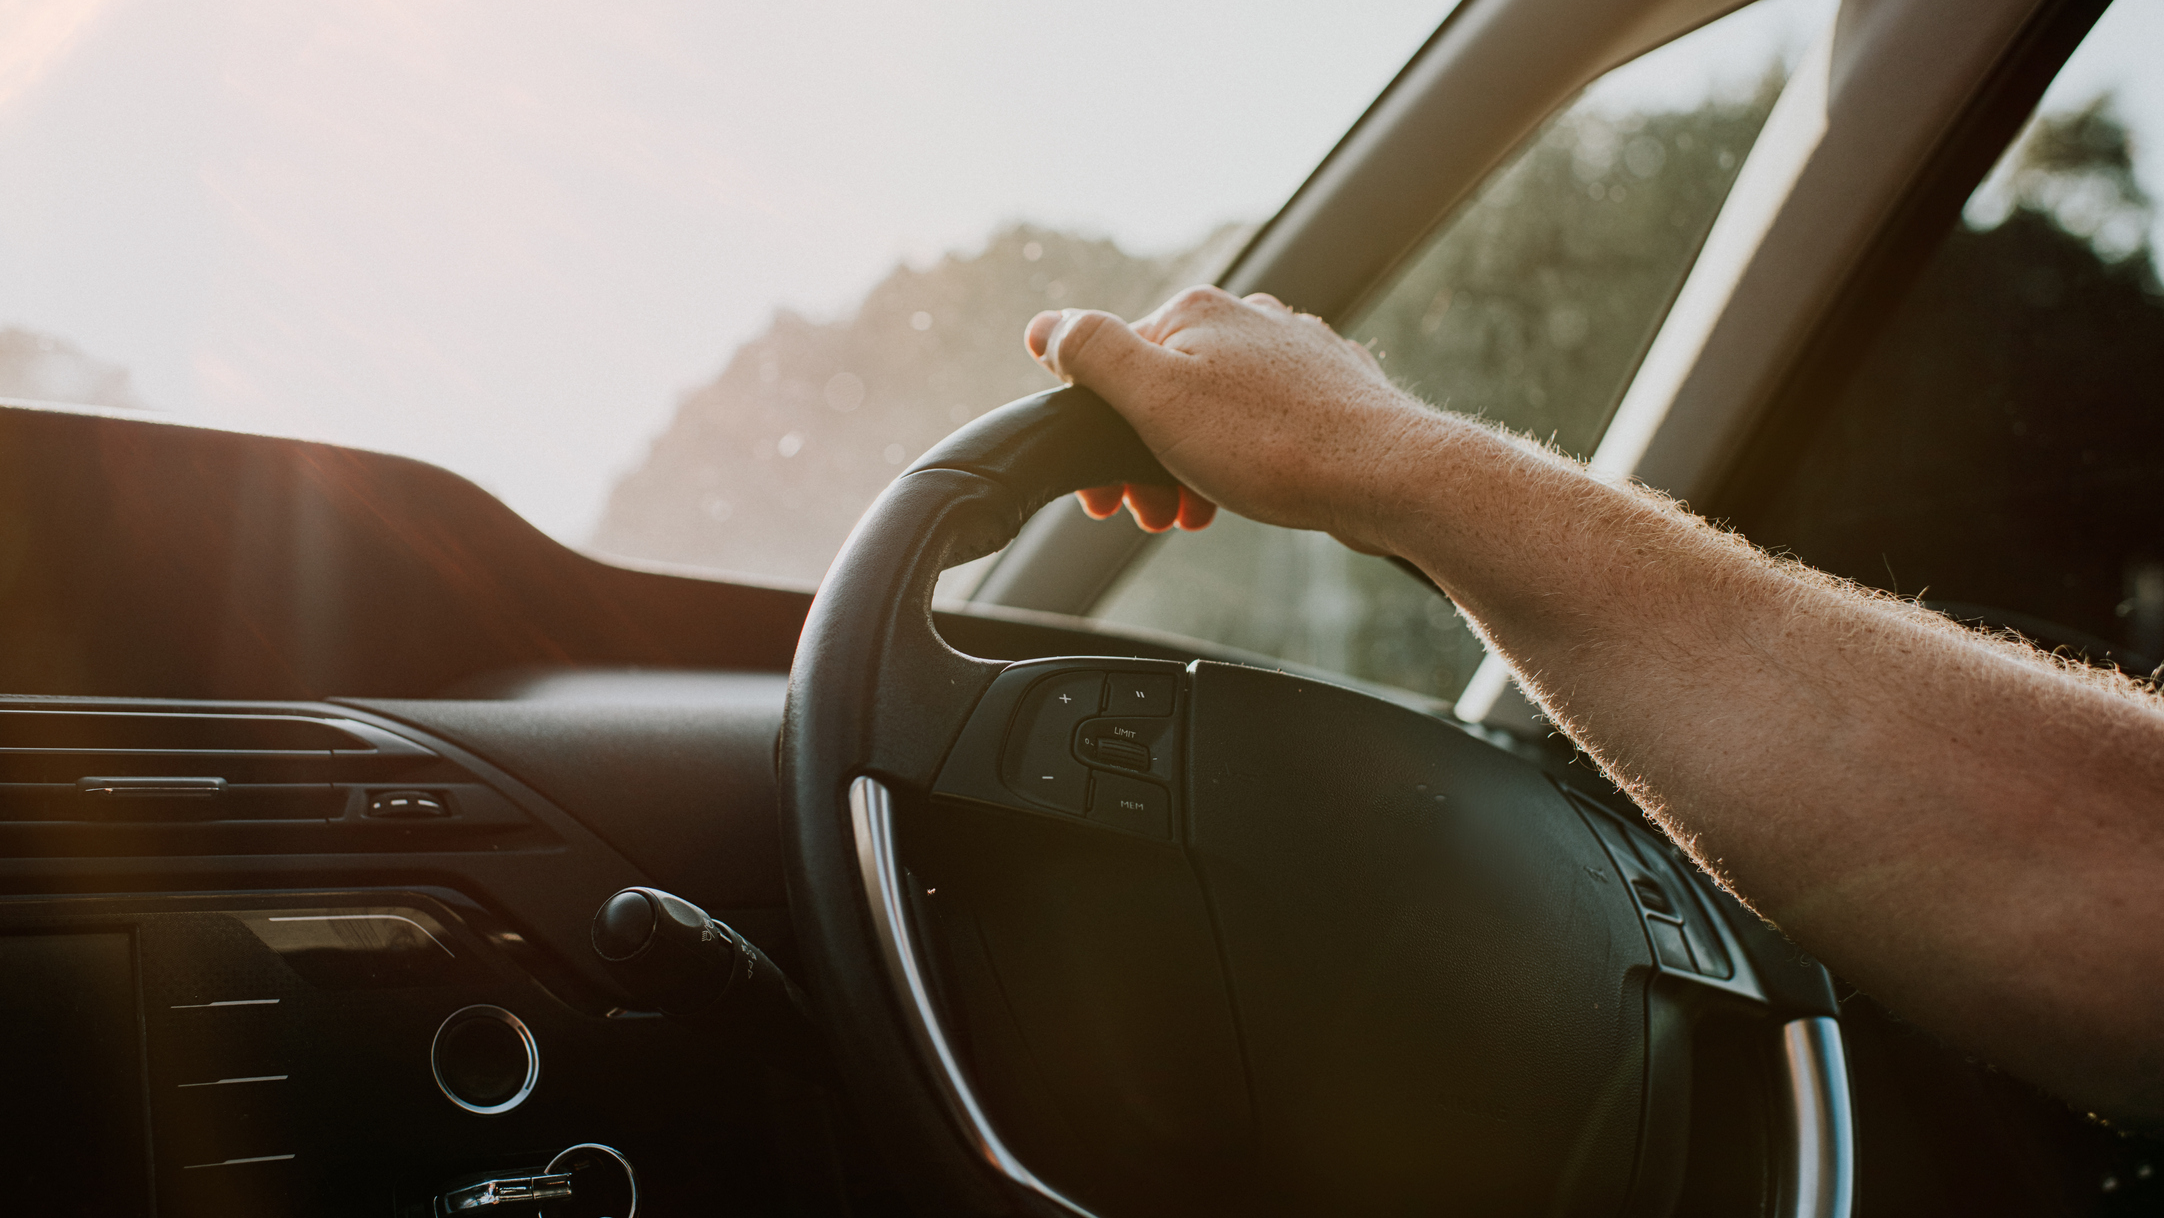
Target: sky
[1726, 58]
[2119, 57]
[506, 236]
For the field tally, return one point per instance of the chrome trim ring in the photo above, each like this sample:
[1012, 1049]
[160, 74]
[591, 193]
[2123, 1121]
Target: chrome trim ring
[525, 1035]
[631, 1178]
[871, 817]
[1820, 1181]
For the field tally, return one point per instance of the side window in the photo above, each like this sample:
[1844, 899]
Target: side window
[1531, 306]
[1998, 447]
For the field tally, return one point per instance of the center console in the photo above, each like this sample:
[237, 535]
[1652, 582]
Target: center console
[306, 960]
[329, 1053]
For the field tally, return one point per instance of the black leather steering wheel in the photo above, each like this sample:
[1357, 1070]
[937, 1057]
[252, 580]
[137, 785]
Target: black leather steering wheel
[1100, 935]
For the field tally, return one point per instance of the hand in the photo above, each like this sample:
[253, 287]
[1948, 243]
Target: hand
[1249, 404]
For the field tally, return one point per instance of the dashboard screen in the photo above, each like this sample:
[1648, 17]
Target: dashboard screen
[71, 1069]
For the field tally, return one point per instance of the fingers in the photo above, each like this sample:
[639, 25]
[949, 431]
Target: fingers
[1084, 346]
[1089, 347]
[1184, 308]
[1155, 508]
[1101, 501]
[1195, 511]
[1063, 341]
[1037, 335]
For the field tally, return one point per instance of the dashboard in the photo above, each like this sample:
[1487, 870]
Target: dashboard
[315, 767]
[312, 958]
[304, 752]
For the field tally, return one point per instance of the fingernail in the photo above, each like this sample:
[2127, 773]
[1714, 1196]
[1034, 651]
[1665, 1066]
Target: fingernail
[1050, 357]
[1038, 332]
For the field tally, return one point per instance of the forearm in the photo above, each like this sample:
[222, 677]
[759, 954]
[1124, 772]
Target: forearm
[1951, 822]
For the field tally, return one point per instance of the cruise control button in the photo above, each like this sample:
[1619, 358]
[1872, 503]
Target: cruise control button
[1125, 754]
[1055, 782]
[1131, 804]
[1135, 743]
[1039, 764]
[1669, 945]
[1135, 694]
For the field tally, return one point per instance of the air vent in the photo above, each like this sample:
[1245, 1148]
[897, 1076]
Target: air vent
[140, 732]
[103, 780]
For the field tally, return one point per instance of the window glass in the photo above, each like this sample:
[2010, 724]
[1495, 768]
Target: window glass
[1998, 448]
[687, 282]
[1531, 306]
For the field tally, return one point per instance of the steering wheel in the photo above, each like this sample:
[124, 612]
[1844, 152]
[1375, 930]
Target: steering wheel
[1122, 937]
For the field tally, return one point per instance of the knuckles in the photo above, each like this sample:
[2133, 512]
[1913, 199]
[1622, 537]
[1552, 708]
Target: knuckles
[1202, 300]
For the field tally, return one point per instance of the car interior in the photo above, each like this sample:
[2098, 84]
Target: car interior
[366, 851]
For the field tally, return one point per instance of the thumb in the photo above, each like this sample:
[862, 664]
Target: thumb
[1091, 348]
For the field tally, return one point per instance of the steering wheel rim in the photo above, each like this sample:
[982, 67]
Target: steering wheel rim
[876, 702]
[848, 717]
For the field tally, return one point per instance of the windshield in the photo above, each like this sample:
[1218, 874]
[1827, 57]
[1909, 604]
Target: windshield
[683, 282]
[1531, 305]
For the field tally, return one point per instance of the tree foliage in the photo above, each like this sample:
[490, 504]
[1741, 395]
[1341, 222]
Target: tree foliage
[1530, 306]
[1998, 444]
[766, 468]
[42, 368]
